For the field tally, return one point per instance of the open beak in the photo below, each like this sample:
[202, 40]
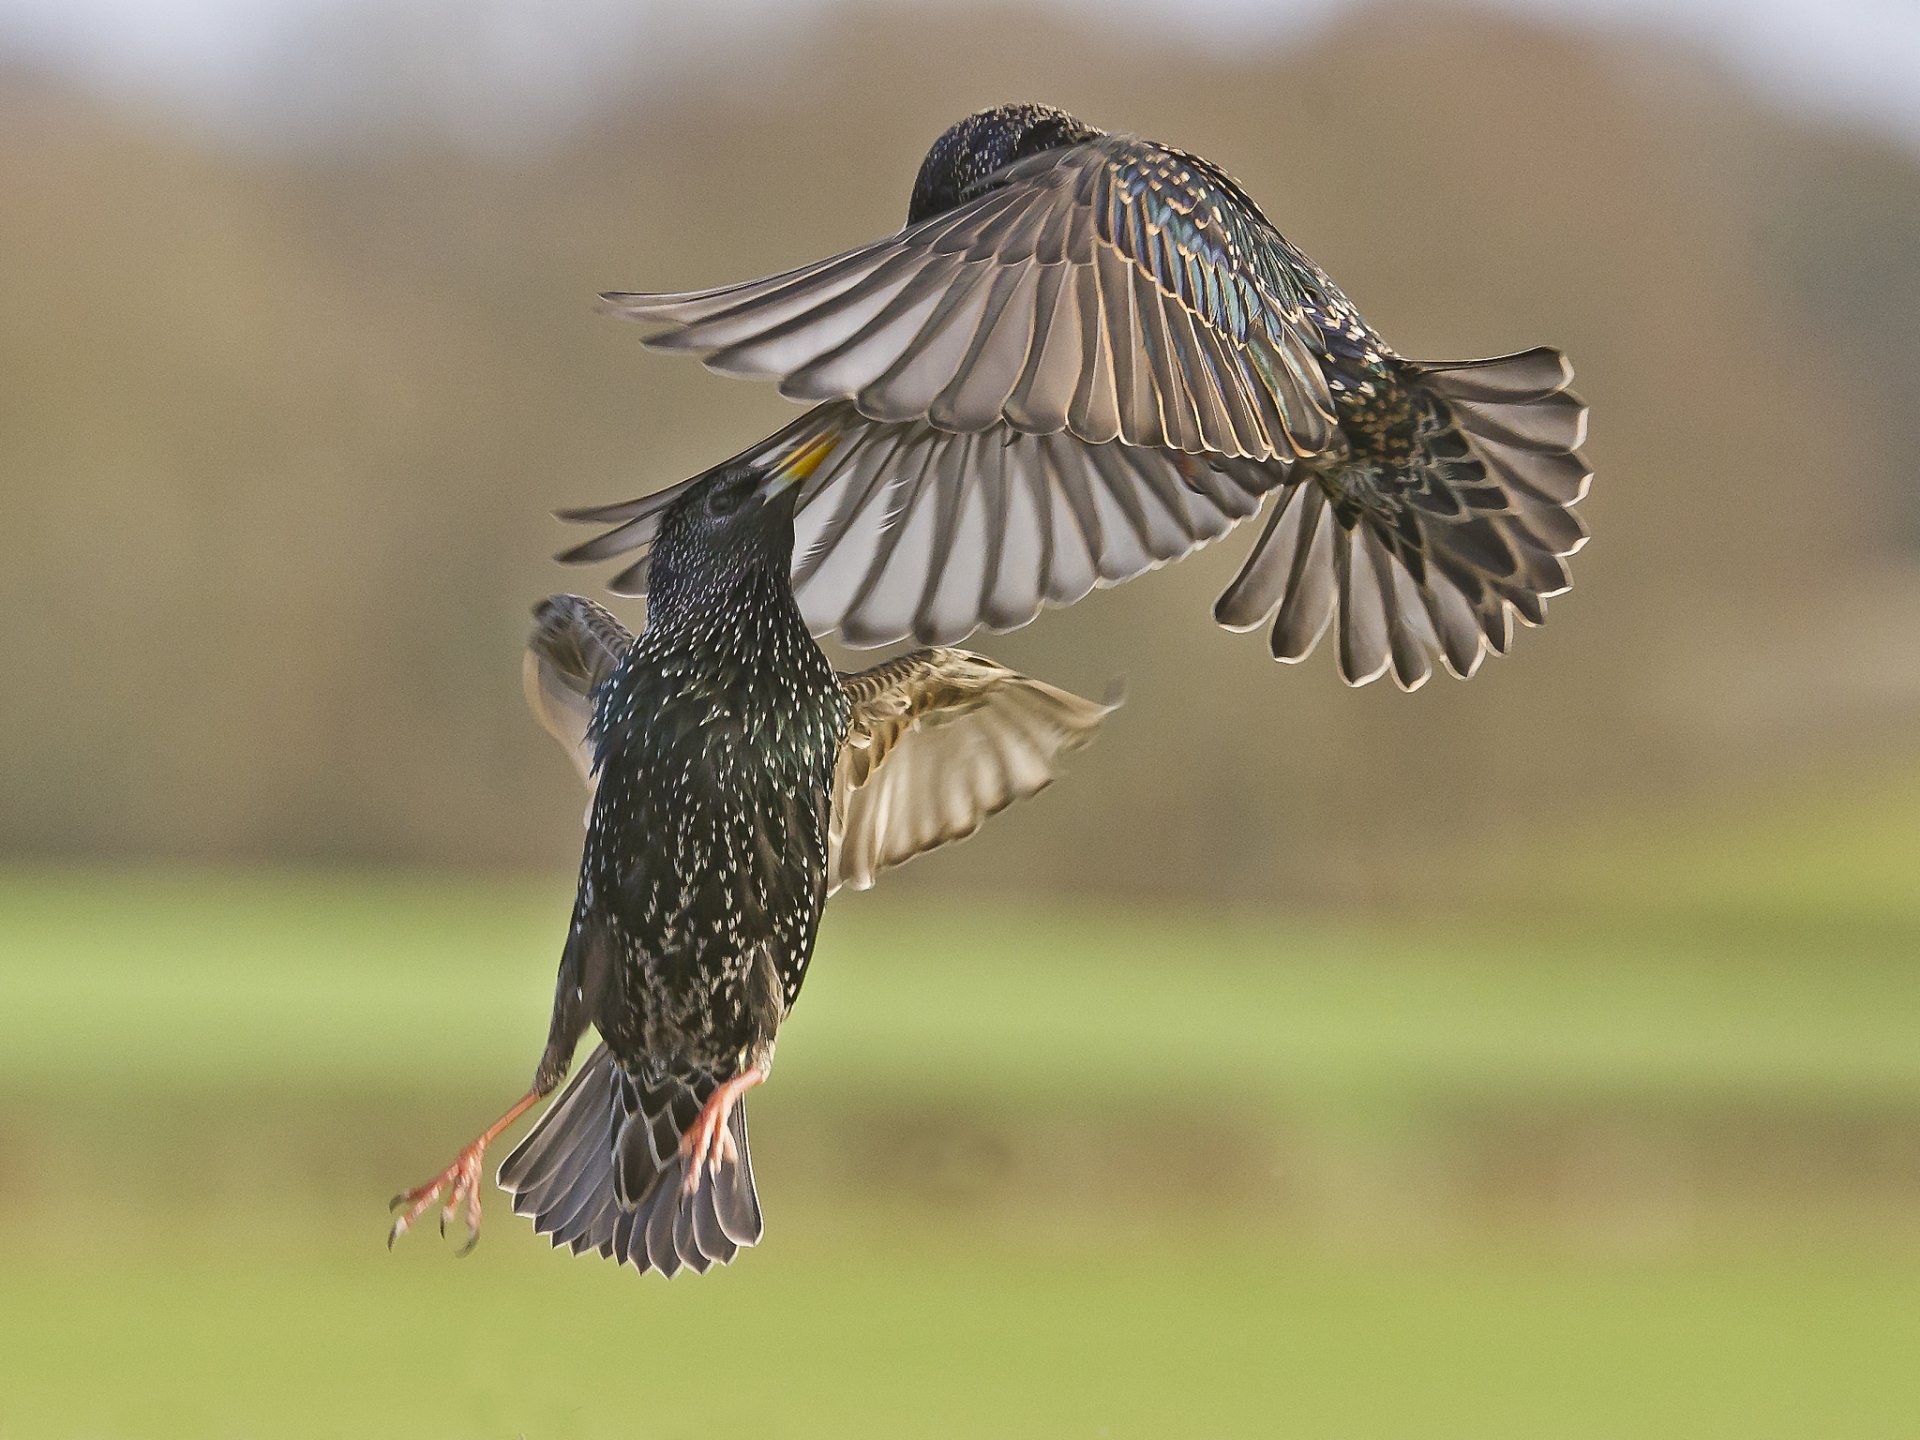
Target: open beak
[798, 464]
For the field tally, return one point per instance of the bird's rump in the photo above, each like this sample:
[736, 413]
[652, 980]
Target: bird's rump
[1113, 289]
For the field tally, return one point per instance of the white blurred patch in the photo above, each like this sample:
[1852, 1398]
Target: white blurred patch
[505, 72]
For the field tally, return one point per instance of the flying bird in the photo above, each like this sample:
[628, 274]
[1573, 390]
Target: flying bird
[1086, 355]
[737, 781]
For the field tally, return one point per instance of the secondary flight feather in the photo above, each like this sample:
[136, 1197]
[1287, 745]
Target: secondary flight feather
[1085, 355]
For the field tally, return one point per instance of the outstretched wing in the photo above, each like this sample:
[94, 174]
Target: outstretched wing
[940, 740]
[907, 531]
[1114, 289]
[574, 646]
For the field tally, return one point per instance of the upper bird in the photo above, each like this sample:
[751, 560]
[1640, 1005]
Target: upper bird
[1086, 355]
[738, 781]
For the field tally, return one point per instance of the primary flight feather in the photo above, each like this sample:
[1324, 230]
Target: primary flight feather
[1086, 355]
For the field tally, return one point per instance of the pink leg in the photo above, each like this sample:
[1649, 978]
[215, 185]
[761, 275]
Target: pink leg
[708, 1142]
[463, 1175]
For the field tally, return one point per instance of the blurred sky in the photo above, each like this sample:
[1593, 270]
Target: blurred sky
[508, 71]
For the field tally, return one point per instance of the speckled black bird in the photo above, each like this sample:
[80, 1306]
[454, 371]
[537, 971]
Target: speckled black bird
[738, 781]
[1087, 354]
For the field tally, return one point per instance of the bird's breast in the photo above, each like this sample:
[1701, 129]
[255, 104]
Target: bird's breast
[709, 820]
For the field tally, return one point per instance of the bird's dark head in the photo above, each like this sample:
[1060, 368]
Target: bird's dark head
[734, 521]
[963, 161]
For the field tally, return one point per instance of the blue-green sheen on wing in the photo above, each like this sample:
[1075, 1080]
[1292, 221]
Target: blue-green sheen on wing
[1086, 354]
[1111, 289]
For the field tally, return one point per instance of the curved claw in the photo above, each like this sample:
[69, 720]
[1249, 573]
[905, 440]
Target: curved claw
[459, 1174]
[725, 1152]
[404, 1223]
[463, 1175]
[466, 1188]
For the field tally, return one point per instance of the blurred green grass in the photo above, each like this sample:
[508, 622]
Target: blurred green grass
[1632, 1148]
[925, 1333]
[204, 981]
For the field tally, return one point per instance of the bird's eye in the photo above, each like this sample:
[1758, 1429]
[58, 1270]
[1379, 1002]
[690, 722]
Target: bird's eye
[726, 499]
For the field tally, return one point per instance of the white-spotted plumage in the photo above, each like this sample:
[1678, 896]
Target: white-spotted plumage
[737, 781]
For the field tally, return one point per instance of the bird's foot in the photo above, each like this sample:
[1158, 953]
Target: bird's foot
[708, 1143]
[461, 1180]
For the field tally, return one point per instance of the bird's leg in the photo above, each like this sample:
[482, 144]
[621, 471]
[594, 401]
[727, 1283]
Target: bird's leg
[463, 1175]
[708, 1143]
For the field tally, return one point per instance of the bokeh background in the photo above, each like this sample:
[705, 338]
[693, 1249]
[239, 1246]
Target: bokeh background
[1533, 1057]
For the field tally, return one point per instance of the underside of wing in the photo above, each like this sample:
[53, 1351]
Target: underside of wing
[940, 740]
[1104, 289]
[909, 532]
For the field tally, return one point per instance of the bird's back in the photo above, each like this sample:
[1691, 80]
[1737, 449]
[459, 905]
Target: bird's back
[1088, 354]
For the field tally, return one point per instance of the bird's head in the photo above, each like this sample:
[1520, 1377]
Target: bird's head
[735, 518]
[964, 160]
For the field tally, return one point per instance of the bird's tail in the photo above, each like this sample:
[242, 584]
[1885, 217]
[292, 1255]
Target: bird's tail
[602, 1171]
[1432, 553]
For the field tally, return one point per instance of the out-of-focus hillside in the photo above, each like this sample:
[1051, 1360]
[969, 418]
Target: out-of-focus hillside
[279, 432]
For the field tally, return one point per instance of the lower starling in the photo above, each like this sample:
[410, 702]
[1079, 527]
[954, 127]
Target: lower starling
[1087, 354]
[738, 781]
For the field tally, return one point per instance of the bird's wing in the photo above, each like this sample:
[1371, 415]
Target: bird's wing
[1114, 289]
[574, 646]
[940, 740]
[907, 531]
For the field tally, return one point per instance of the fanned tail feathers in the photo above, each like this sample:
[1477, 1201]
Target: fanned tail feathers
[1431, 558]
[602, 1172]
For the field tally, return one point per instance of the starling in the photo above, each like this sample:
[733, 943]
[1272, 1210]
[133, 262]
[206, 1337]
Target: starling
[1087, 354]
[737, 782]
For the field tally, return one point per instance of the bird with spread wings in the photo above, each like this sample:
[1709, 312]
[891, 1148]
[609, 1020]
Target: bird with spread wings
[1088, 354]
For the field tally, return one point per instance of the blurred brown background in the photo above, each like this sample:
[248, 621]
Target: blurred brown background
[283, 416]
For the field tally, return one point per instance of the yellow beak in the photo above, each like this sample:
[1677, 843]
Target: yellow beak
[800, 463]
